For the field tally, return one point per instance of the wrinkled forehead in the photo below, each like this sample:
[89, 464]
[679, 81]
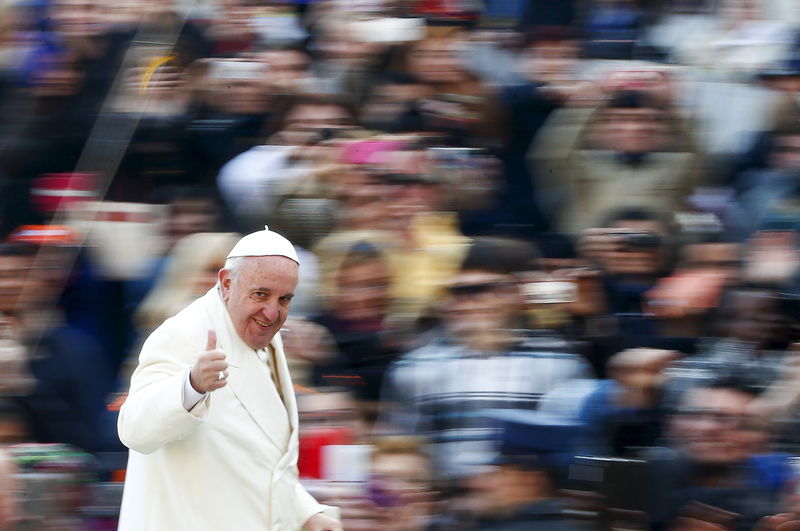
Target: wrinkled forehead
[263, 268]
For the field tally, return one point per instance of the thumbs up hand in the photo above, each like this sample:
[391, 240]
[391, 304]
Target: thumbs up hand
[210, 371]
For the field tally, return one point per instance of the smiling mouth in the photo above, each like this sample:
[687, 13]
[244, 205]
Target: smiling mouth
[262, 324]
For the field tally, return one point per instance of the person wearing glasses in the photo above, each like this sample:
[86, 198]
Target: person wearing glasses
[481, 357]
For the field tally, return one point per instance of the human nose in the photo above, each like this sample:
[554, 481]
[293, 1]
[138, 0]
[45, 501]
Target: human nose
[270, 310]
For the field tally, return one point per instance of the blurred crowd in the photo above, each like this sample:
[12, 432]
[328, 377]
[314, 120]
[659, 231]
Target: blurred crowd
[549, 249]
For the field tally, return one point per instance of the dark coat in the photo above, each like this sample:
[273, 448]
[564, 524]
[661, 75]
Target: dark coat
[546, 515]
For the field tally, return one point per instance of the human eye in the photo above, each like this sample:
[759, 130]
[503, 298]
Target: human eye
[259, 295]
[286, 299]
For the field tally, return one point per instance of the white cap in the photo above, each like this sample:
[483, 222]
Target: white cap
[264, 243]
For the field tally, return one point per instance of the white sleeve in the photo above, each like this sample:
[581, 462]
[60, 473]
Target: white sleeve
[190, 396]
[153, 413]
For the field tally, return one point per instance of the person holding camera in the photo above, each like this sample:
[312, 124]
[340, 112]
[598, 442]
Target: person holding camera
[632, 150]
[481, 357]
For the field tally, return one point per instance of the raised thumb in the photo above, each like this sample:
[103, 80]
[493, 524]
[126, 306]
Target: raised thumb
[211, 344]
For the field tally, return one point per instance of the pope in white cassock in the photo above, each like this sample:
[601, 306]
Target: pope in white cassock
[211, 419]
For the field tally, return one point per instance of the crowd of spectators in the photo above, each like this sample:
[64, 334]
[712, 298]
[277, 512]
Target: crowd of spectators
[549, 249]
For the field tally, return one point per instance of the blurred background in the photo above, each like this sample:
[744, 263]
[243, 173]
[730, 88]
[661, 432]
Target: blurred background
[549, 249]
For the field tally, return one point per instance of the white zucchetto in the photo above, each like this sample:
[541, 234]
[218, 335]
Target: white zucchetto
[264, 243]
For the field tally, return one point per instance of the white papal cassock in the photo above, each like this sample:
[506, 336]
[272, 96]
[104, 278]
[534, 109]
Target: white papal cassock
[231, 462]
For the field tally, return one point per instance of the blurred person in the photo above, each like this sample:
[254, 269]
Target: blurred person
[393, 490]
[783, 80]
[332, 421]
[764, 194]
[15, 264]
[289, 68]
[740, 39]
[638, 232]
[244, 82]
[685, 301]
[169, 410]
[356, 311]
[191, 271]
[632, 253]
[156, 154]
[232, 30]
[191, 40]
[233, 105]
[750, 332]
[429, 242]
[9, 487]
[54, 485]
[357, 192]
[86, 299]
[519, 491]
[13, 423]
[549, 62]
[343, 61]
[771, 254]
[81, 23]
[16, 379]
[481, 356]
[243, 26]
[628, 152]
[189, 210]
[280, 24]
[98, 34]
[326, 407]
[14, 20]
[714, 440]
[626, 412]
[250, 182]
[613, 29]
[392, 104]
[389, 186]
[63, 375]
[35, 142]
[16, 261]
[457, 103]
[401, 480]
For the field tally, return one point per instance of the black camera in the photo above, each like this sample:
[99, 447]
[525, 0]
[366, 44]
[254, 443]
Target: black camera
[639, 240]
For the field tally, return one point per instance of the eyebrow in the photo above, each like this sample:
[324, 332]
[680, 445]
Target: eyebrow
[271, 290]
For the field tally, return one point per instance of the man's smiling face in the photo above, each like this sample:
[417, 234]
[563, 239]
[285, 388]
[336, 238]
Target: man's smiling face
[258, 294]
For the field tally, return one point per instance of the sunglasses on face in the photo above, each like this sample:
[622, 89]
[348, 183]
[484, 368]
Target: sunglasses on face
[724, 419]
[481, 288]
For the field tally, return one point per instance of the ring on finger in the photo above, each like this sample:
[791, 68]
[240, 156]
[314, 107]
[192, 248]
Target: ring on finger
[221, 375]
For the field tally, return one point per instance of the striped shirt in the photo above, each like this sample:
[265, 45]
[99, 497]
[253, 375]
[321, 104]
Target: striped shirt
[443, 391]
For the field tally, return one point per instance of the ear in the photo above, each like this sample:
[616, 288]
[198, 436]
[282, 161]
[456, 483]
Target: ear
[225, 280]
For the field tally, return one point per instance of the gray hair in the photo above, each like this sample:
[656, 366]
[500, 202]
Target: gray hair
[234, 264]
